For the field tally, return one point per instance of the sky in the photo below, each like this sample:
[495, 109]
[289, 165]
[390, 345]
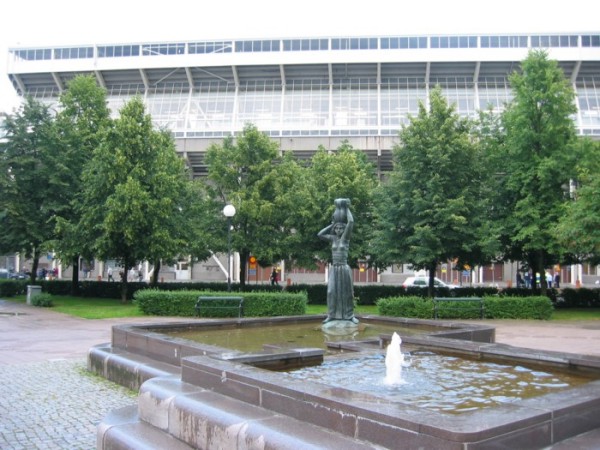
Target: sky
[83, 22]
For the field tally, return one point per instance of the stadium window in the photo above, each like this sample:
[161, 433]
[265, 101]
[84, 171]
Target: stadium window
[590, 41]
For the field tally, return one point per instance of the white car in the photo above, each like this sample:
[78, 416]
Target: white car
[424, 282]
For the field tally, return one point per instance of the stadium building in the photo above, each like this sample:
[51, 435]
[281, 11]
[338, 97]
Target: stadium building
[311, 92]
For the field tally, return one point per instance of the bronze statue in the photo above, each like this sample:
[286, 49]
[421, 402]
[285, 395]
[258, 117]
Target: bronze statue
[340, 292]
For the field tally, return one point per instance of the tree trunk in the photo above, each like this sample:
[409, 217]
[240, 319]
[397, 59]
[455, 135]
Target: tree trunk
[75, 276]
[154, 281]
[34, 264]
[542, 268]
[124, 284]
[244, 254]
[430, 286]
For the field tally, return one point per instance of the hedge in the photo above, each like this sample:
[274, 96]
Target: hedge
[414, 307]
[10, 288]
[316, 293]
[256, 304]
[539, 308]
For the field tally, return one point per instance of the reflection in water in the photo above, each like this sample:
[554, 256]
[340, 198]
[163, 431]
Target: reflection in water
[441, 382]
[252, 339]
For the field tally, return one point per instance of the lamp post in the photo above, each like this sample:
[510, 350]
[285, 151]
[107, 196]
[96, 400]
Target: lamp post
[229, 212]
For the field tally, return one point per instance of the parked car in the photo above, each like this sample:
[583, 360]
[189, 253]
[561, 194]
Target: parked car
[4, 273]
[19, 275]
[424, 282]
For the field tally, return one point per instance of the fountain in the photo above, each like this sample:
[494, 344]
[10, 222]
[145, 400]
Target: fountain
[206, 396]
[394, 360]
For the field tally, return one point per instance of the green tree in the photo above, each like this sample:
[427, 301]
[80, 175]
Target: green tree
[539, 157]
[343, 173]
[247, 172]
[578, 229]
[428, 211]
[82, 121]
[132, 206]
[27, 205]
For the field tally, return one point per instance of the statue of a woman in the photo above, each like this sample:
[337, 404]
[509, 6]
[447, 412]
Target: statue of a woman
[340, 293]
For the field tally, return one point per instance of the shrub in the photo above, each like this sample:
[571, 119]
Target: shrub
[460, 309]
[539, 307]
[256, 304]
[316, 293]
[415, 307]
[580, 298]
[42, 300]
[10, 288]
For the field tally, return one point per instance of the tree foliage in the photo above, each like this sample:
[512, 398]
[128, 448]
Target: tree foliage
[578, 229]
[539, 157]
[249, 173]
[343, 173]
[428, 211]
[133, 193]
[82, 122]
[27, 163]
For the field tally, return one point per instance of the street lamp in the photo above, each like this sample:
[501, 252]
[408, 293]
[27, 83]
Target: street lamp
[229, 212]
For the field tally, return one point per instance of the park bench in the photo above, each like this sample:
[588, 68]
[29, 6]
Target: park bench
[476, 301]
[212, 303]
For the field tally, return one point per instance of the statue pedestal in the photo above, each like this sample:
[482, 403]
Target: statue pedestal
[340, 327]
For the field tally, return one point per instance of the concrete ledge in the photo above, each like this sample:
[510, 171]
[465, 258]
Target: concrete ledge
[121, 429]
[205, 419]
[127, 369]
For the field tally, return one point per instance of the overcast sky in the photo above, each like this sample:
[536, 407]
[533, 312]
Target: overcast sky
[74, 22]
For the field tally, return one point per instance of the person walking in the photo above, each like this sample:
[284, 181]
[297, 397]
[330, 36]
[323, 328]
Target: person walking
[274, 277]
[110, 274]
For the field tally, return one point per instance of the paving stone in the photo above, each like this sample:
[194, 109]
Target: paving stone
[55, 405]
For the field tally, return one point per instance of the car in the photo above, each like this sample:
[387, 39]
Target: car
[19, 275]
[424, 282]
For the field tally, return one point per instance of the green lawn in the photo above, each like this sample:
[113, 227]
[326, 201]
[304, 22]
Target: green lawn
[104, 308]
[90, 308]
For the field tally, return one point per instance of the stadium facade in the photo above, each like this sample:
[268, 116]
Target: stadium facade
[311, 92]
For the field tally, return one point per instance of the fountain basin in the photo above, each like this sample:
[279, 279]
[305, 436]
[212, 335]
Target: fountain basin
[198, 394]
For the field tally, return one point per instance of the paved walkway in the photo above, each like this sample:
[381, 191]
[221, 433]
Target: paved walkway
[49, 401]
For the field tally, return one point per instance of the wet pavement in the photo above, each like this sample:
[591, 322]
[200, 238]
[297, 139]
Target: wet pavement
[49, 401]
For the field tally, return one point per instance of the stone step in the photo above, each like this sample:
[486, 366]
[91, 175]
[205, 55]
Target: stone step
[208, 420]
[127, 369]
[121, 429]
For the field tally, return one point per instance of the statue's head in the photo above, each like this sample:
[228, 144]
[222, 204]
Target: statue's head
[338, 228]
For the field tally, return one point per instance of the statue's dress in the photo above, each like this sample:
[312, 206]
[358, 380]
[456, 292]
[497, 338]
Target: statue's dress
[339, 289]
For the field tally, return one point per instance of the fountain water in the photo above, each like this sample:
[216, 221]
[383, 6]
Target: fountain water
[394, 360]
